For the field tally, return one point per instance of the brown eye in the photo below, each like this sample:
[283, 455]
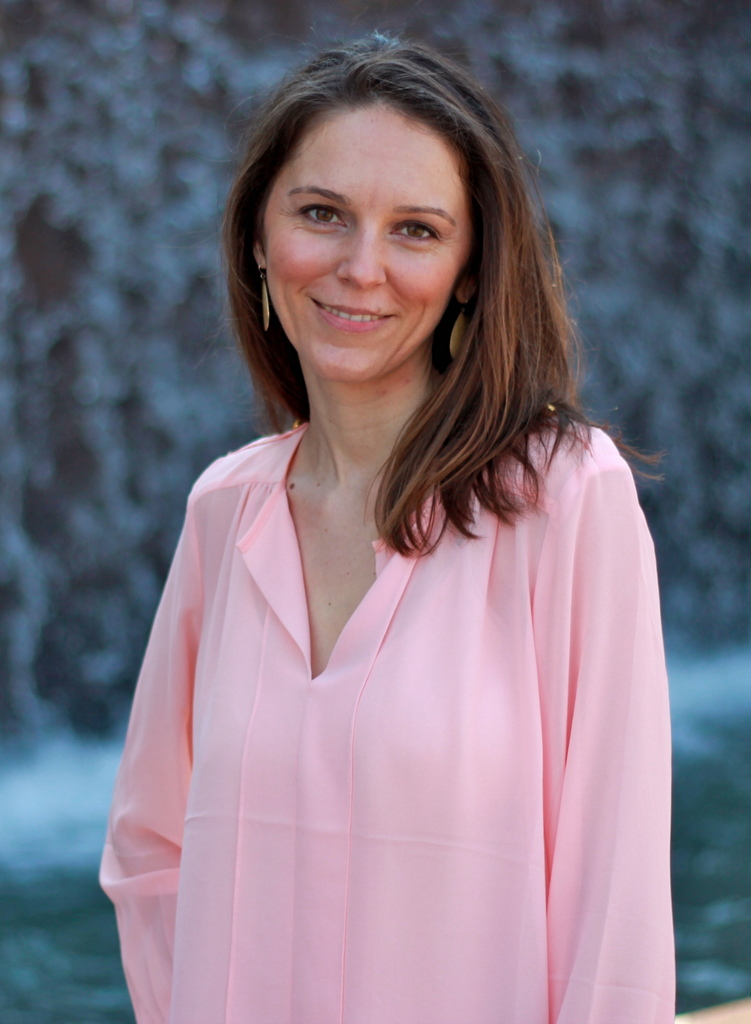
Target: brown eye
[418, 231]
[321, 214]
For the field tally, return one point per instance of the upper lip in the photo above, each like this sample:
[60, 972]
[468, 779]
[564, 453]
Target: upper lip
[350, 310]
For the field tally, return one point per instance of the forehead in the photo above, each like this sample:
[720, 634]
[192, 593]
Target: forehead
[375, 147]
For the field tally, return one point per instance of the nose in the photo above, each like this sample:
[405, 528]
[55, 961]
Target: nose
[362, 262]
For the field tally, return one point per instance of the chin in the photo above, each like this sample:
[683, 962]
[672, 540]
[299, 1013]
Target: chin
[343, 367]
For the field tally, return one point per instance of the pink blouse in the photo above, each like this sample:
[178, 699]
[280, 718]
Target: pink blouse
[463, 820]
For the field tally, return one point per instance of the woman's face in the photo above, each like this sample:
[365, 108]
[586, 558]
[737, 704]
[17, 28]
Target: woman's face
[366, 235]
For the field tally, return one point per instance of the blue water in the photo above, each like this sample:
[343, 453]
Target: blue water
[59, 961]
[711, 702]
[59, 958]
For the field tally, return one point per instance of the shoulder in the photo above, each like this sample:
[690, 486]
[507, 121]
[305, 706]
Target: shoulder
[231, 493]
[581, 463]
[264, 462]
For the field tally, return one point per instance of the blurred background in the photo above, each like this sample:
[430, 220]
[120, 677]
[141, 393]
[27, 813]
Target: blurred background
[120, 125]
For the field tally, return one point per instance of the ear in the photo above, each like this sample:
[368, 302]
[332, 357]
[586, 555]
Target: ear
[465, 289]
[258, 254]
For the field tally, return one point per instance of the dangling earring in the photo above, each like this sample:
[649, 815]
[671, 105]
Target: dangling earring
[457, 334]
[265, 307]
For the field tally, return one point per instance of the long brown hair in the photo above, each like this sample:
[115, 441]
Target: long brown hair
[513, 383]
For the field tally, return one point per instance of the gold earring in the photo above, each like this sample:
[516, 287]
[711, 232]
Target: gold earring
[457, 334]
[265, 307]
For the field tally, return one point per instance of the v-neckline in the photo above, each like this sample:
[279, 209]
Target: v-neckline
[271, 551]
[318, 637]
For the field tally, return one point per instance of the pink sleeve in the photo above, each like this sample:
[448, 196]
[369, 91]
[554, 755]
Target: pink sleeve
[607, 754]
[141, 860]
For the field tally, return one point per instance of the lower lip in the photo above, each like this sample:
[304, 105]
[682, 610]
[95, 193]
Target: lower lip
[353, 326]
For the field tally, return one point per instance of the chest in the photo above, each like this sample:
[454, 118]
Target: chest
[429, 695]
[335, 539]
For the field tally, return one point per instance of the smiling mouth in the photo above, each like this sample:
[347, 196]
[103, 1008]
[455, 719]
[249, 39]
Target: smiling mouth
[359, 317]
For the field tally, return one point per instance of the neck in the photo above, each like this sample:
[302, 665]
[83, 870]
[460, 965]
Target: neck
[353, 430]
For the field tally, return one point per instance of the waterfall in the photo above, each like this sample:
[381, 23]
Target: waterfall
[120, 125]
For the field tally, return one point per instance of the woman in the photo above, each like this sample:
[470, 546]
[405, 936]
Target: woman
[399, 752]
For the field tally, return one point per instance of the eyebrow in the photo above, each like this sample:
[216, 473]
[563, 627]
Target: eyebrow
[337, 197]
[427, 209]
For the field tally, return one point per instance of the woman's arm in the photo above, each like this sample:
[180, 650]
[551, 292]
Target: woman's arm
[607, 742]
[141, 861]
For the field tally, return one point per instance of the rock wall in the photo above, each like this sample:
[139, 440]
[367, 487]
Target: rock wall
[119, 128]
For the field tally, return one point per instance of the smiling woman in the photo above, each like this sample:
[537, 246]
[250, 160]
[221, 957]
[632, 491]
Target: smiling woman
[399, 751]
[359, 284]
[359, 287]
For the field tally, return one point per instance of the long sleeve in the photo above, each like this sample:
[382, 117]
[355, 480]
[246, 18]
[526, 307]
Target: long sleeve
[141, 860]
[606, 736]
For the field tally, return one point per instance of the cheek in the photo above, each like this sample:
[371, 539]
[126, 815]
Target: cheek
[427, 284]
[298, 260]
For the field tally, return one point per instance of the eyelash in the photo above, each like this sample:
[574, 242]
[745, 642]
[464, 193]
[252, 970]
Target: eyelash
[309, 211]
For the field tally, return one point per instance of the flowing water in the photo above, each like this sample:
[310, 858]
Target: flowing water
[59, 959]
[58, 951]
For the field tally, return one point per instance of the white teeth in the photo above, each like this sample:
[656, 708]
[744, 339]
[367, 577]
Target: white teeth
[349, 316]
